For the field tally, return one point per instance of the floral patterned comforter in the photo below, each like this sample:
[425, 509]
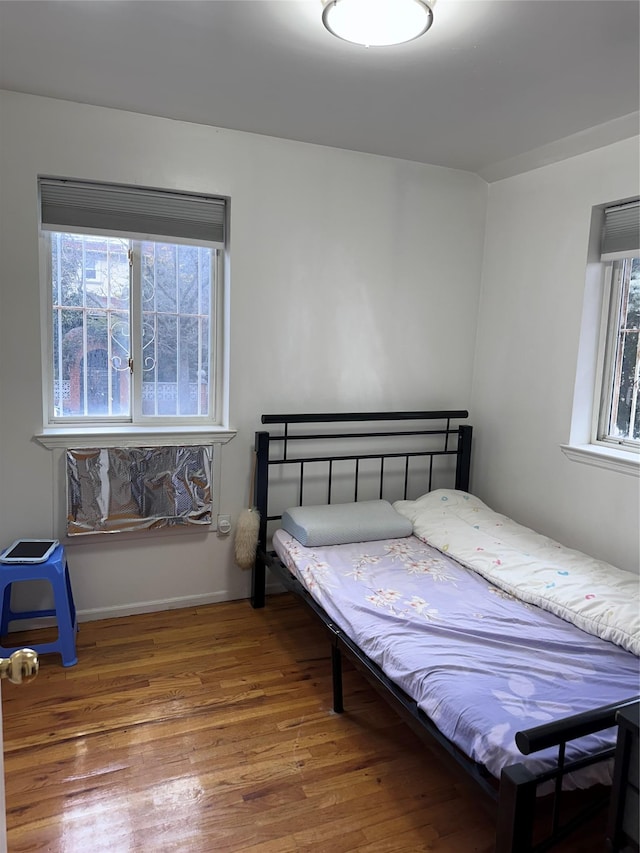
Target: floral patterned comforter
[480, 663]
[594, 595]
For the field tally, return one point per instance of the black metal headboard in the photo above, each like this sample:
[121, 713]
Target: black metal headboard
[306, 446]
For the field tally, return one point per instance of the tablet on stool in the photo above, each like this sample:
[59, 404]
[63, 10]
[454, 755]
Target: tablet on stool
[29, 551]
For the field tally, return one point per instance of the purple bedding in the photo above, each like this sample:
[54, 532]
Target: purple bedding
[482, 664]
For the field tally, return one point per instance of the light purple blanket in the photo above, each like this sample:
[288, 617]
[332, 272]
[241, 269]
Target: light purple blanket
[481, 664]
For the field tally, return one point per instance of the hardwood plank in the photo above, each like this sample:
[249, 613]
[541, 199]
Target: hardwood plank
[211, 729]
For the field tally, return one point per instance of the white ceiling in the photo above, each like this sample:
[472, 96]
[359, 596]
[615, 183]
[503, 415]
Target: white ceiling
[495, 86]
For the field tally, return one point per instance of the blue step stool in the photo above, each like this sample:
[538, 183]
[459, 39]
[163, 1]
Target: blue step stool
[56, 571]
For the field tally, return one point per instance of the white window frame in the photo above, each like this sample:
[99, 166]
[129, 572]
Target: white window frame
[609, 332]
[58, 433]
[136, 416]
[584, 445]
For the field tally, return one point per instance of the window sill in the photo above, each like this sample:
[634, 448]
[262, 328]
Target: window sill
[622, 461]
[132, 436]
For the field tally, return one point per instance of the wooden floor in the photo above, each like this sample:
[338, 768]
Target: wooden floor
[210, 729]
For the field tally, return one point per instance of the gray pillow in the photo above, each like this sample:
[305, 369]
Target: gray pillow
[339, 524]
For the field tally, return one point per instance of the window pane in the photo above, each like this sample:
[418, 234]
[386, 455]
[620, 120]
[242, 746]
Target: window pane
[159, 277]
[188, 279]
[66, 265]
[149, 363]
[205, 268]
[176, 328]
[90, 325]
[67, 346]
[624, 422]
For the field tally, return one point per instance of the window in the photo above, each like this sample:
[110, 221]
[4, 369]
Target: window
[136, 294]
[605, 423]
[619, 421]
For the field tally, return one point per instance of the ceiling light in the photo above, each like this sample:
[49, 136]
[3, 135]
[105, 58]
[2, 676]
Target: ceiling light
[374, 23]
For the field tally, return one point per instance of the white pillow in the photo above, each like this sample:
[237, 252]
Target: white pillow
[339, 524]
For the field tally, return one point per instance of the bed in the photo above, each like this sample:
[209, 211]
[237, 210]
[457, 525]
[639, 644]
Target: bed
[512, 652]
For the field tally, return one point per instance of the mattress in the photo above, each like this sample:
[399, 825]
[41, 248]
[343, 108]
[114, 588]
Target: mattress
[479, 662]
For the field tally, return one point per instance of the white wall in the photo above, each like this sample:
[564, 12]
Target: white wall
[533, 285]
[354, 285]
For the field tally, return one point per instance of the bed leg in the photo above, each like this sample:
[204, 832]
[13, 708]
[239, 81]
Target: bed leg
[336, 672]
[464, 457]
[516, 810]
[258, 583]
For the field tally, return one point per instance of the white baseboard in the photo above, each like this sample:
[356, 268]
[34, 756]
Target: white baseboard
[274, 588]
[96, 613]
[116, 611]
[151, 606]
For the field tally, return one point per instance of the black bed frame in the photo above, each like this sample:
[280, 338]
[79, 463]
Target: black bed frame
[437, 436]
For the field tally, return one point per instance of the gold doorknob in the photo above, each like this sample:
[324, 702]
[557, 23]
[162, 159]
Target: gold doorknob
[20, 667]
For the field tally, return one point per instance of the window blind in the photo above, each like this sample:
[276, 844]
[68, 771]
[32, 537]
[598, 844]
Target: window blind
[125, 211]
[621, 231]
